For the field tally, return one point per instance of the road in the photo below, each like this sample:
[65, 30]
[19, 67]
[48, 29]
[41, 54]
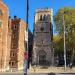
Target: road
[52, 74]
[36, 74]
[66, 74]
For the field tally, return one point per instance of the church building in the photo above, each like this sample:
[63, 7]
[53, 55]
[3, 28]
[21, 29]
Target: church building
[43, 53]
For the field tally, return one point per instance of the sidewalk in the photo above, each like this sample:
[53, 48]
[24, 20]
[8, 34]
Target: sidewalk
[51, 69]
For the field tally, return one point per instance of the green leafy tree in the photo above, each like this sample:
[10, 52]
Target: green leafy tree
[68, 15]
[58, 49]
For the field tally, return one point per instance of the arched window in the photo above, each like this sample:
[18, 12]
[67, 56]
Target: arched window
[48, 17]
[40, 17]
[44, 18]
[0, 12]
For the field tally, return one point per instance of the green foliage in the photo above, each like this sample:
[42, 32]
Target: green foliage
[58, 44]
[68, 14]
[69, 17]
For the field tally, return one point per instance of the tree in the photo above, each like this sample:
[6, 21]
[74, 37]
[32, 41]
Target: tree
[69, 19]
[58, 49]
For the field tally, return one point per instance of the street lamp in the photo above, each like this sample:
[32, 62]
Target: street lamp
[64, 44]
[26, 53]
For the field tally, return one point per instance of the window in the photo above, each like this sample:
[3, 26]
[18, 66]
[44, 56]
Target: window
[48, 17]
[40, 17]
[25, 45]
[44, 18]
[0, 23]
[12, 63]
[12, 54]
[15, 27]
[42, 41]
[14, 45]
[0, 12]
[42, 28]
[14, 36]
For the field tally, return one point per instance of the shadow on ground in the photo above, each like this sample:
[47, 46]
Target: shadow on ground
[51, 74]
[25, 74]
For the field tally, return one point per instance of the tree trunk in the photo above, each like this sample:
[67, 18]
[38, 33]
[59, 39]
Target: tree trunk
[72, 56]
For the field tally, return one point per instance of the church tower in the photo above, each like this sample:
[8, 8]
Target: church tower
[42, 38]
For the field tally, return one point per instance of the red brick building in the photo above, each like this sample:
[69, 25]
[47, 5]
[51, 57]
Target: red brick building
[17, 50]
[12, 41]
[4, 48]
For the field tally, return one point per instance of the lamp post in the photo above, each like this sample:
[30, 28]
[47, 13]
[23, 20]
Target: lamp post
[64, 44]
[26, 40]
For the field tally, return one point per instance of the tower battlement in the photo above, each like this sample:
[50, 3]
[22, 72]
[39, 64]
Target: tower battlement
[44, 10]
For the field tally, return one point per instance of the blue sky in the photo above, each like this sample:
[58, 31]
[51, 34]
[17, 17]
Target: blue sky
[18, 8]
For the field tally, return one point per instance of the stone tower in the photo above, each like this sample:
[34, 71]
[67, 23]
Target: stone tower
[42, 38]
[17, 50]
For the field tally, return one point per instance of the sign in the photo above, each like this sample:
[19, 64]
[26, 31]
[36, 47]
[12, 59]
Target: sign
[26, 55]
[26, 35]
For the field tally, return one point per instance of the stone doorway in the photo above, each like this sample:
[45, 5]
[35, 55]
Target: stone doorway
[42, 57]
